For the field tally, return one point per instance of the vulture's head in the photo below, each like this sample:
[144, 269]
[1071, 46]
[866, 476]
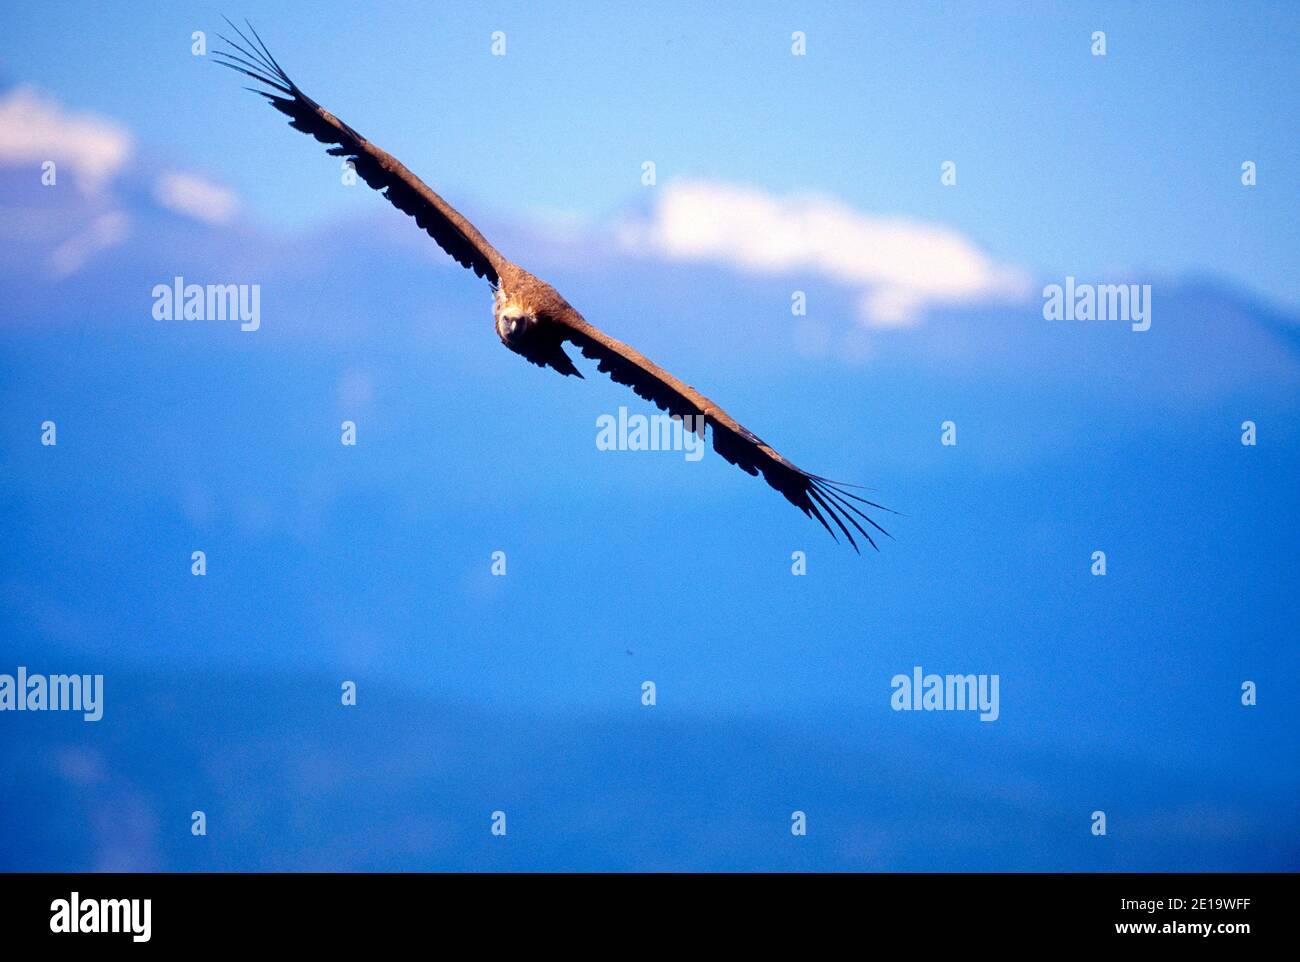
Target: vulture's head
[513, 321]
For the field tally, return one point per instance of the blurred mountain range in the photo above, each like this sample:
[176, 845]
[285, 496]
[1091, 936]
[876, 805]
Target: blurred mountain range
[522, 693]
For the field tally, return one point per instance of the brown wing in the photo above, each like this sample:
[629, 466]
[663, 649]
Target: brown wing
[814, 495]
[454, 234]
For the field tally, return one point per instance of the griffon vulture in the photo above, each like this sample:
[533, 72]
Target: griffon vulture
[532, 319]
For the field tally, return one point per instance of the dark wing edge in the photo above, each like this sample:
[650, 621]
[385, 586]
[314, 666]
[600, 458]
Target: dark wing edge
[454, 234]
[817, 497]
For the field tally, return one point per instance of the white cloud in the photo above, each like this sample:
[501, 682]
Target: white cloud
[195, 197]
[91, 153]
[104, 231]
[34, 129]
[899, 266]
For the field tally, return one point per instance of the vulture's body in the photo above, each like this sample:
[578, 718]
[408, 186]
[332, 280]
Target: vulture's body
[531, 318]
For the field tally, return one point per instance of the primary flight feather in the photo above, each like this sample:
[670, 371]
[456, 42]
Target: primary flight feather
[532, 319]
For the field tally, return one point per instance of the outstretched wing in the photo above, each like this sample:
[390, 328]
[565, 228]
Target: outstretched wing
[814, 495]
[454, 234]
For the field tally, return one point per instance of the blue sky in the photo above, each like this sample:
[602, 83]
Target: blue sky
[372, 563]
[1066, 162]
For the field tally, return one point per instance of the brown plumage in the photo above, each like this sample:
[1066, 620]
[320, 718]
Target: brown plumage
[532, 319]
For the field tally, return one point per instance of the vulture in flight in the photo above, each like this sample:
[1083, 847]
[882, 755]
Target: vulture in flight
[532, 319]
